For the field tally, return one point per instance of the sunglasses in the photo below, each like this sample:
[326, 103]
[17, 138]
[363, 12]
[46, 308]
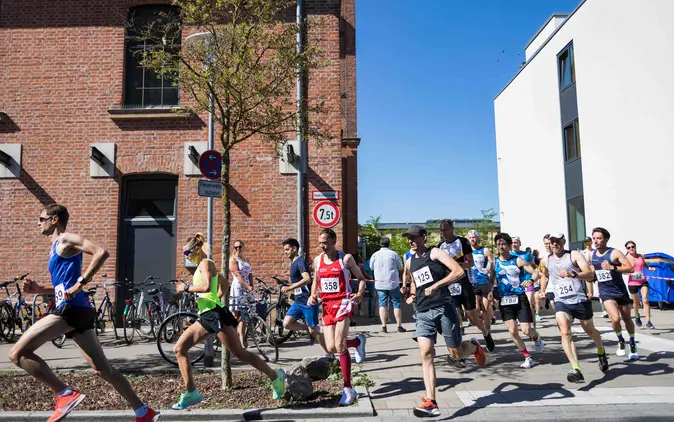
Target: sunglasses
[43, 219]
[238, 247]
[188, 252]
[631, 247]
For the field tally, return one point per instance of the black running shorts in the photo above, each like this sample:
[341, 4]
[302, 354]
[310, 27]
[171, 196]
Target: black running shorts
[80, 318]
[216, 319]
[467, 296]
[520, 311]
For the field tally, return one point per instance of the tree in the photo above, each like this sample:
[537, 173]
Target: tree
[247, 64]
[487, 228]
[372, 235]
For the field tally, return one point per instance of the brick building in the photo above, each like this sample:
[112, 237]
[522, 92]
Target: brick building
[65, 86]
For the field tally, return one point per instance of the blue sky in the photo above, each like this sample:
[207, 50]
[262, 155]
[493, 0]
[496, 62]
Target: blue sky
[427, 75]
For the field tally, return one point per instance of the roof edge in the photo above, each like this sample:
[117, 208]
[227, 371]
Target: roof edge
[554, 15]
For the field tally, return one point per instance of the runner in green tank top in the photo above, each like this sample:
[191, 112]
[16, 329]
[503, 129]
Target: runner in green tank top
[214, 318]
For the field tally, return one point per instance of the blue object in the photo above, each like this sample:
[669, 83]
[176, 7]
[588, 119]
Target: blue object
[660, 290]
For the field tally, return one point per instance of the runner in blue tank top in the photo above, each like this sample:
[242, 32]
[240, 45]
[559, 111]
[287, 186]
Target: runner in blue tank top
[514, 304]
[481, 275]
[73, 317]
[608, 265]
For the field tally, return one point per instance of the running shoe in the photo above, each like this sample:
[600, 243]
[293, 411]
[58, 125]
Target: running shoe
[65, 404]
[401, 329]
[604, 314]
[427, 408]
[539, 344]
[384, 329]
[634, 354]
[463, 331]
[603, 363]
[637, 321]
[360, 349]
[489, 341]
[480, 355]
[348, 397]
[528, 363]
[493, 320]
[188, 399]
[650, 325]
[278, 386]
[538, 318]
[621, 349]
[575, 375]
[460, 364]
[150, 416]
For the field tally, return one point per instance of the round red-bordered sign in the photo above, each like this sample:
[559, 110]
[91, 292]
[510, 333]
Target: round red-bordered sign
[326, 214]
[210, 164]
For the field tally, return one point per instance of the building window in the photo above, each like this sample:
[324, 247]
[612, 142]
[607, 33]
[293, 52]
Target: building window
[142, 87]
[567, 71]
[572, 141]
[576, 210]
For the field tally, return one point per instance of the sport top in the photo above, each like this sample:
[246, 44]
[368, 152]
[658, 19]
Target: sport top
[527, 257]
[207, 301]
[333, 279]
[298, 267]
[480, 263]
[610, 281]
[508, 276]
[426, 273]
[458, 249]
[64, 274]
[569, 290]
[637, 277]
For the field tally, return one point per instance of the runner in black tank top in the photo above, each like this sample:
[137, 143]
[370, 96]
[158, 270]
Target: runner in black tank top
[608, 265]
[432, 272]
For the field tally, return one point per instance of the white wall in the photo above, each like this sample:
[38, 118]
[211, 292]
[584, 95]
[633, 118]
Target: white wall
[543, 35]
[624, 65]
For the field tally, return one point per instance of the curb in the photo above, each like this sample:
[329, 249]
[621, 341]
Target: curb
[362, 409]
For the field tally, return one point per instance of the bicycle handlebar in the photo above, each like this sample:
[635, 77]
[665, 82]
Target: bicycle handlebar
[280, 282]
[17, 278]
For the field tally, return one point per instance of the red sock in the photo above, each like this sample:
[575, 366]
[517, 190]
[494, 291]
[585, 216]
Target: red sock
[354, 342]
[345, 364]
[525, 352]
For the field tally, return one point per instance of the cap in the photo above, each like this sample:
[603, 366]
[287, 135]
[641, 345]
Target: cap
[557, 236]
[516, 238]
[587, 239]
[415, 230]
[473, 233]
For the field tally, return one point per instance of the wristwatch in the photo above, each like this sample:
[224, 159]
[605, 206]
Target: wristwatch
[82, 281]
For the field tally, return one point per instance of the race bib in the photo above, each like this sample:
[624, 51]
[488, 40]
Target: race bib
[455, 289]
[510, 300]
[422, 276]
[637, 276]
[59, 294]
[564, 288]
[298, 291]
[330, 285]
[603, 275]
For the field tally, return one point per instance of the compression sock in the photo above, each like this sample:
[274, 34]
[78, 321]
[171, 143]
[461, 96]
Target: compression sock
[576, 367]
[620, 336]
[354, 342]
[601, 351]
[525, 352]
[345, 364]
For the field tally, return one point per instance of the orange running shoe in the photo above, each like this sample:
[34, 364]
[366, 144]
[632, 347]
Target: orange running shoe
[480, 355]
[65, 404]
[427, 408]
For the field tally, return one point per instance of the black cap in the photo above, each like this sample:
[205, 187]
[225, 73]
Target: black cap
[415, 230]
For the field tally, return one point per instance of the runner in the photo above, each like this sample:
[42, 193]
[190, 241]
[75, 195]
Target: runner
[481, 277]
[73, 317]
[214, 318]
[331, 281]
[462, 292]
[530, 291]
[608, 265]
[514, 304]
[433, 271]
[587, 254]
[549, 292]
[242, 285]
[637, 282]
[567, 270]
[301, 286]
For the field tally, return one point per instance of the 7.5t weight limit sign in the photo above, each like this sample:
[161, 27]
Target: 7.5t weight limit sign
[326, 214]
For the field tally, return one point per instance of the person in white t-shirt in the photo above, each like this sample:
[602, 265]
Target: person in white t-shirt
[387, 265]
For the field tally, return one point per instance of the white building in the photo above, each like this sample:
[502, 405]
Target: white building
[585, 130]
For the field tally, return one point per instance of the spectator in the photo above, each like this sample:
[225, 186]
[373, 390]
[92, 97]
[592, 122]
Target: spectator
[387, 266]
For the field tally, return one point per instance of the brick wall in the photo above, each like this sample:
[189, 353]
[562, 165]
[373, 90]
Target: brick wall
[63, 70]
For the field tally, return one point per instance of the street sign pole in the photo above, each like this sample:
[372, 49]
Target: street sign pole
[208, 346]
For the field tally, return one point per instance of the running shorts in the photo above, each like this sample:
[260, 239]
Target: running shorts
[520, 311]
[467, 296]
[550, 296]
[309, 313]
[216, 319]
[481, 290]
[443, 320]
[637, 289]
[580, 311]
[620, 300]
[336, 310]
[80, 318]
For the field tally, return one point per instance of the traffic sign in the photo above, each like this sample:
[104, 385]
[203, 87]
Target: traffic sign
[325, 194]
[326, 214]
[210, 164]
[210, 188]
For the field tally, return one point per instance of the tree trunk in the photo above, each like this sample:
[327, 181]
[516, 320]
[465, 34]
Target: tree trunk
[225, 364]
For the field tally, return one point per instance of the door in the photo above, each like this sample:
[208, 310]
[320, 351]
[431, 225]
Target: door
[147, 244]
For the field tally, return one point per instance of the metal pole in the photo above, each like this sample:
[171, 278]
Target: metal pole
[208, 346]
[304, 159]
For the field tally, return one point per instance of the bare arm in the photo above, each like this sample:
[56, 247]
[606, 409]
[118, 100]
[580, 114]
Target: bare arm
[234, 269]
[490, 267]
[545, 276]
[76, 243]
[528, 267]
[350, 263]
[625, 265]
[456, 273]
[313, 297]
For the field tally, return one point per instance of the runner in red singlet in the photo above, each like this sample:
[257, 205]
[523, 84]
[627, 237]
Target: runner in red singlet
[333, 270]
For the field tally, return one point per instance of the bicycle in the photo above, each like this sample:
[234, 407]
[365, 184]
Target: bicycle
[135, 312]
[14, 314]
[105, 312]
[278, 311]
[44, 308]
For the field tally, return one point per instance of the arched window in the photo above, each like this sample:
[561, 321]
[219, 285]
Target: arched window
[142, 87]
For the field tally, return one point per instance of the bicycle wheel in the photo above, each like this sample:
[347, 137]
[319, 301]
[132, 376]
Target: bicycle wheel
[263, 338]
[26, 317]
[281, 333]
[7, 323]
[170, 331]
[58, 341]
[109, 313]
[145, 320]
[130, 324]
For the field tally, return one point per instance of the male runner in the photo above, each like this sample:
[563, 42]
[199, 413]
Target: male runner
[567, 271]
[462, 292]
[530, 291]
[433, 271]
[300, 285]
[549, 292]
[331, 281]
[73, 317]
[587, 254]
[481, 278]
[514, 304]
[608, 265]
